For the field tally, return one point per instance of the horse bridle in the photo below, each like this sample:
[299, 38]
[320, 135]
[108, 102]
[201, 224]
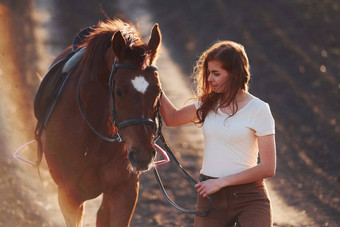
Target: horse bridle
[142, 121]
[123, 124]
[133, 121]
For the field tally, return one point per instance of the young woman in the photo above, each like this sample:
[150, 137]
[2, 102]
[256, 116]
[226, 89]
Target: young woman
[238, 127]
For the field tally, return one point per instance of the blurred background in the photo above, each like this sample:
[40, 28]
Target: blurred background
[294, 53]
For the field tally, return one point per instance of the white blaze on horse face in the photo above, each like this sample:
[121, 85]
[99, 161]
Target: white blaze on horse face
[140, 84]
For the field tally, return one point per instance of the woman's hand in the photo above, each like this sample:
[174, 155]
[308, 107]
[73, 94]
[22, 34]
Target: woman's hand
[173, 116]
[208, 187]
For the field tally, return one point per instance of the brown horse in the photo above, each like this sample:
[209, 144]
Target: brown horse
[115, 88]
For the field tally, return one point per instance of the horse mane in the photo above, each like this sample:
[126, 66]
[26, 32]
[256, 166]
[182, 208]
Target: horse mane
[98, 41]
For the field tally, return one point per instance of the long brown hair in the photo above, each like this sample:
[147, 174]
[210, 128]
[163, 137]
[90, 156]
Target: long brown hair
[234, 60]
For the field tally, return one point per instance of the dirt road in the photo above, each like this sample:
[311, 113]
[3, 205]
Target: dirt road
[26, 200]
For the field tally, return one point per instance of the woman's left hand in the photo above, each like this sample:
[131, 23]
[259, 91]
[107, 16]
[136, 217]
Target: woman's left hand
[208, 187]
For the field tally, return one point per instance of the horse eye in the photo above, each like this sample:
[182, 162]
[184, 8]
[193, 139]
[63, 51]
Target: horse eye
[119, 92]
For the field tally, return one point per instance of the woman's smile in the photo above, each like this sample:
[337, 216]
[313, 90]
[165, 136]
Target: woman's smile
[217, 76]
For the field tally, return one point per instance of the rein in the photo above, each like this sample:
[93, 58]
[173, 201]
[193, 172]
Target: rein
[161, 186]
[142, 121]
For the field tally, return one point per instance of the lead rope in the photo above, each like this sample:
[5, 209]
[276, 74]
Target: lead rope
[159, 181]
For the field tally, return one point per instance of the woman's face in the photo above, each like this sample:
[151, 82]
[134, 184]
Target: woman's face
[217, 76]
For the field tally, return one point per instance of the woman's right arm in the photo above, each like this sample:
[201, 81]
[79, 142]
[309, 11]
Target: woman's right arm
[173, 116]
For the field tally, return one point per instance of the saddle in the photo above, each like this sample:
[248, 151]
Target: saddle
[53, 82]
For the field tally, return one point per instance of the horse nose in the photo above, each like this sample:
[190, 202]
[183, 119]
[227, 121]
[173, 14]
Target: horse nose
[139, 160]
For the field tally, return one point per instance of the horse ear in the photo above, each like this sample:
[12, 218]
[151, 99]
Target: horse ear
[155, 41]
[119, 45]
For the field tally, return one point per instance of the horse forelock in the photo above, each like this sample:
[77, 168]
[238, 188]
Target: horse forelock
[139, 55]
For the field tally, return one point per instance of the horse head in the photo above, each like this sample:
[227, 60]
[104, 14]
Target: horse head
[135, 91]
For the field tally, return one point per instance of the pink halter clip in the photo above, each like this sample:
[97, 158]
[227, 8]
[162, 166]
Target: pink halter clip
[166, 157]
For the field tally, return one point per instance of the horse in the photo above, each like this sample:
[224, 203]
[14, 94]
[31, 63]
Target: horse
[113, 90]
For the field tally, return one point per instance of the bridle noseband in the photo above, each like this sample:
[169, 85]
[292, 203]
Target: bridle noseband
[123, 124]
[133, 121]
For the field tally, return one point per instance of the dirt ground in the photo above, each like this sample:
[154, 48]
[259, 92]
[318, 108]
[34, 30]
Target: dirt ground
[29, 38]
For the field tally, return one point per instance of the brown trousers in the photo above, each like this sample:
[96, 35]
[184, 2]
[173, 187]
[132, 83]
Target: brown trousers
[245, 205]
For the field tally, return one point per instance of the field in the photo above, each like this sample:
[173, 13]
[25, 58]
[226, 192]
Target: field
[294, 52]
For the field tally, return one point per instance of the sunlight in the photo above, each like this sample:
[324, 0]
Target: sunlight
[42, 18]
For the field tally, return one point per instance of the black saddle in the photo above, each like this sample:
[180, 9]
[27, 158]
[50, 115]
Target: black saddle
[55, 79]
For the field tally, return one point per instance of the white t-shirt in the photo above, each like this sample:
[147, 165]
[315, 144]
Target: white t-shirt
[230, 143]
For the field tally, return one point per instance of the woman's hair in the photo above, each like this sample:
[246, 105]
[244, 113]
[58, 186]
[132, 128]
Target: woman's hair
[234, 59]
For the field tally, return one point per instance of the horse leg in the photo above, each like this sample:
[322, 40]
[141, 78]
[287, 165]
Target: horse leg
[103, 214]
[71, 207]
[117, 208]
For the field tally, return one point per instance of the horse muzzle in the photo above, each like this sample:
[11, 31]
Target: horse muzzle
[141, 160]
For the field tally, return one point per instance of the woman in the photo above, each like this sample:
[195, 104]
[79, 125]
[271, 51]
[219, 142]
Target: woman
[238, 127]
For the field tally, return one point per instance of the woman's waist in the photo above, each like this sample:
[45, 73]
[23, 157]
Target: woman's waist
[225, 168]
[239, 187]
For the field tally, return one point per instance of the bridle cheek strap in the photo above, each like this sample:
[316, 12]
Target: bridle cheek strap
[129, 122]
